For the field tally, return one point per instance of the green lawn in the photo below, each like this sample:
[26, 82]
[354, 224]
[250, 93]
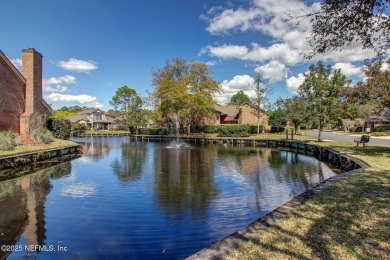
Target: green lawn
[21, 149]
[349, 220]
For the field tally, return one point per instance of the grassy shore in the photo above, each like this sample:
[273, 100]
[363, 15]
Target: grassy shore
[22, 149]
[349, 220]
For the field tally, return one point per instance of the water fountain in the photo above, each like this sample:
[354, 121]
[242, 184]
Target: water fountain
[178, 144]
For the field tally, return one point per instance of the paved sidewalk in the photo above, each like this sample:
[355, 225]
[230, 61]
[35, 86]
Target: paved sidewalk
[383, 141]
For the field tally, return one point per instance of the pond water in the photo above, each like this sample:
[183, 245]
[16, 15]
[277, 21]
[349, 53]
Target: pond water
[144, 200]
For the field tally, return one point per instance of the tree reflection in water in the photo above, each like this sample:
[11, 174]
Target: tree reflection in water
[184, 181]
[129, 167]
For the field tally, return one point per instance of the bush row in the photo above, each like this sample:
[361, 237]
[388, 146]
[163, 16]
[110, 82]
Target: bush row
[9, 139]
[356, 129]
[381, 128]
[233, 129]
[227, 130]
[155, 131]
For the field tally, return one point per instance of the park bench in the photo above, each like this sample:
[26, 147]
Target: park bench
[362, 140]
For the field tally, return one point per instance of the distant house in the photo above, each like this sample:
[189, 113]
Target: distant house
[381, 119]
[96, 119]
[22, 107]
[242, 114]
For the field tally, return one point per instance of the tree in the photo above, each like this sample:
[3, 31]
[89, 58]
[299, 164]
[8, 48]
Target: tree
[73, 109]
[341, 22]
[295, 110]
[321, 91]
[260, 101]
[239, 98]
[277, 119]
[127, 101]
[372, 95]
[184, 90]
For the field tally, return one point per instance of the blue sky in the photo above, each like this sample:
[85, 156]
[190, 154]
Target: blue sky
[93, 47]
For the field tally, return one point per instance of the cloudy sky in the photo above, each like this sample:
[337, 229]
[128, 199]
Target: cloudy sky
[93, 47]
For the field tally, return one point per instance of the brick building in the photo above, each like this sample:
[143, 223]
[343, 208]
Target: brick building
[21, 105]
[244, 114]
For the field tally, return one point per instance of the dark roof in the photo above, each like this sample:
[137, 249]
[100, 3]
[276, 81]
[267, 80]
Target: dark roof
[83, 115]
[89, 111]
[229, 110]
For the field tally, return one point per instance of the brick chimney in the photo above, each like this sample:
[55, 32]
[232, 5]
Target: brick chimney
[32, 71]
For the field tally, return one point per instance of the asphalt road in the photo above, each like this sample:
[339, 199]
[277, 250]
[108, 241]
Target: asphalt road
[374, 141]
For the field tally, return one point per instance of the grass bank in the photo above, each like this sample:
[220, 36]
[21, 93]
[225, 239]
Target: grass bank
[349, 220]
[22, 149]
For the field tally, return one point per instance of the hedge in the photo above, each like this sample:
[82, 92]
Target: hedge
[357, 129]
[213, 129]
[234, 131]
[155, 131]
[277, 129]
[381, 128]
[59, 127]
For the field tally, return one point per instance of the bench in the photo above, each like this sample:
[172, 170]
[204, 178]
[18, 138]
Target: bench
[362, 140]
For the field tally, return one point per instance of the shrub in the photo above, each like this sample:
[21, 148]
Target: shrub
[277, 129]
[155, 131]
[78, 128]
[233, 130]
[253, 129]
[41, 136]
[7, 140]
[381, 128]
[59, 127]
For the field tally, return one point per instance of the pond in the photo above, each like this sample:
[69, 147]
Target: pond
[145, 200]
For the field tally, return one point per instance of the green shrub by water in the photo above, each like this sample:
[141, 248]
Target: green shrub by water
[78, 128]
[41, 136]
[155, 131]
[231, 130]
[7, 140]
[234, 130]
[59, 127]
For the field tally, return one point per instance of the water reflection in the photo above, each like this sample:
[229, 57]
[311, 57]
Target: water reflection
[22, 206]
[175, 201]
[184, 180]
[94, 148]
[129, 166]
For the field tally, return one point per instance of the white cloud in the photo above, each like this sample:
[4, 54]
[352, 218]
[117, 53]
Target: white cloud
[231, 87]
[78, 65]
[288, 40]
[57, 88]
[212, 63]
[67, 79]
[79, 99]
[231, 19]
[58, 81]
[226, 51]
[16, 62]
[279, 51]
[273, 71]
[348, 69]
[293, 83]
